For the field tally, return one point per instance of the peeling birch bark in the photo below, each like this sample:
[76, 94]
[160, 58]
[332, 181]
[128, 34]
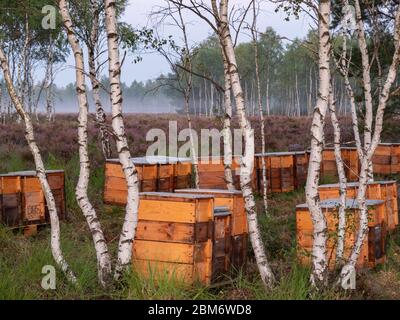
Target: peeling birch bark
[364, 177]
[131, 218]
[227, 133]
[93, 72]
[260, 110]
[40, 172]
[319, 259]
[247, 162]
[102, 253]
[342, 179]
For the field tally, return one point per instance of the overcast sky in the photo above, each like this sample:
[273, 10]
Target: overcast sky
[152, 65]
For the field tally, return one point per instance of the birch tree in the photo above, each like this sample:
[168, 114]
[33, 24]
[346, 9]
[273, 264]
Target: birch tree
[365, 172]
[130, 172]
[103, 256]
[40, 171]
[259, 102]
[342, 178]
[319, 258]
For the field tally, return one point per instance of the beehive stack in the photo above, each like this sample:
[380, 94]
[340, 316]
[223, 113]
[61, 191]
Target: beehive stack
[155, 174]
[174, 237]
[351, 163]
[377, 190]
[23, 202]
[280, 171]
[234, 201]
[300, 168]
[373, 248]
[386, 159]
[222, 245]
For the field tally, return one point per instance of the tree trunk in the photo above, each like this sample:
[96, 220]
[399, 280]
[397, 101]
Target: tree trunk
[103, 256]
[40, 171]
[260, 110]
[100, 114]
[131, 218]
[319, 261]
[342, 179]
[247, 162]
[227, 133]
[364, 177]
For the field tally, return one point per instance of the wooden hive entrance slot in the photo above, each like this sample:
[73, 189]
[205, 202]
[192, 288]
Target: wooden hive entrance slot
[373, 249]
[174, 237]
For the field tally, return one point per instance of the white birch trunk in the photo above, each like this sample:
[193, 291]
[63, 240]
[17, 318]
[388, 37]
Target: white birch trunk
[319, 258]
[364, 178]
[260, 110]
[131, 218]
[40, 171]
[247, 163]
[342, 179]
[93, 72]
[102, 253]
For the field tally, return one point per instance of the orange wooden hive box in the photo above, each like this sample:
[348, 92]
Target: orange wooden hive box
[212, 172]
[155, 174]
[222, 244]
[377, 190]
[174, 237]
[350, 159]
[280, 171]
[301, 160]
[234, 201]
[23, 201]
[373, 249]
[386, 159]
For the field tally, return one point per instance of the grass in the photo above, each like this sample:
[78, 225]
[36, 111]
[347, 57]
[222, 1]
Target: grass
[22, 260]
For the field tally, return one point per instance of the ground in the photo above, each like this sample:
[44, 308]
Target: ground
[21, 259]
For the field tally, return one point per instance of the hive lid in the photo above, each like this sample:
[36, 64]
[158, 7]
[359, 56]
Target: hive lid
[28, 173]
[350, 204]
[389, 143]
[209, 191]
[174, 195]
[272, 154]
[221, 212]
[354, 184]
[154, 160]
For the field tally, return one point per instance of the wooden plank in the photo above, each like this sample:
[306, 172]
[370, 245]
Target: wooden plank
[168, 211]
[10, 185]
[163, 251]
[172, 231]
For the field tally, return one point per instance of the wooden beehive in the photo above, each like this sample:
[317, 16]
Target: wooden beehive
[155, 174]
[382, 159]
[183, 173]
[234, 201]
[377, 190]
[174, 237]
[300, 168]
[351, 163]
[395, 158]
[23, 202]
[10, 200]
[221, 242]
[373, 249]
[280, 171]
